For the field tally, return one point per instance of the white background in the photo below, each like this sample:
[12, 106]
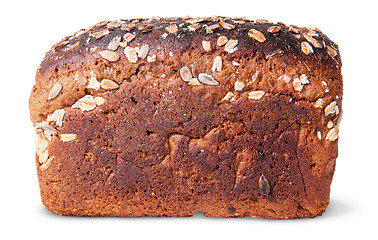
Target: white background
[30, 28]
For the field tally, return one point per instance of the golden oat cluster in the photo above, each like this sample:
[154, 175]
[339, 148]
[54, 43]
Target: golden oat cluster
[170, 116]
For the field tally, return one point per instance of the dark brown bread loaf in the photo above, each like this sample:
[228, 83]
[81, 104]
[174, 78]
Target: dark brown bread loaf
[167, 117]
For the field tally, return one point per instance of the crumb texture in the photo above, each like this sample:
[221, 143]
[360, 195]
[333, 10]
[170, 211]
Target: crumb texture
[168, 117]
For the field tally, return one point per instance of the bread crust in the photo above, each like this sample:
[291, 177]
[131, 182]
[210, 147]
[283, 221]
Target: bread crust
[253, 136]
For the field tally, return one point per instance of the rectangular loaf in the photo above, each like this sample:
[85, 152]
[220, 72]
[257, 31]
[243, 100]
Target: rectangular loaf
[168, 117]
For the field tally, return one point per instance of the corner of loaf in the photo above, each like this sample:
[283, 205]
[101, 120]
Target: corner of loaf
[171, 116]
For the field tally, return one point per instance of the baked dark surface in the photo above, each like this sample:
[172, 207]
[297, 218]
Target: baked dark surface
[157, 145]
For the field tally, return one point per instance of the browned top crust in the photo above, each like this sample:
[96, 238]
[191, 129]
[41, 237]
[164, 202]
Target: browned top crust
[116, 43]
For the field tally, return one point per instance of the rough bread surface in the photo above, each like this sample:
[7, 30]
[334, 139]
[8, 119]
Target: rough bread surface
[168, 117]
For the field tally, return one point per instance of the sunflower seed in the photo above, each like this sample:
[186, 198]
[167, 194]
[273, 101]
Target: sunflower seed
[231, 46]
[319, 103]
[274, 29]
[80, 78]
[319, 135]
[93, 83]
[263, 21]
[86, 103]
[145, 27]
[186, 74]
[207, 79]
[285, 78]
[109, 55]
[194, 82]
[194, 27]
[194, 20]
[151, 58]
[331, 108]
[297, 85]
[332, 52]
[114, 24]
[114, 43]
[306, 48]
[235, 63]
[108, 84]
[41, 143]
[143, 51]
[67, 137]
[128, 37]
[229, 97]
[257, 35]
[43, 156]
[131, 54]
[226, 25]
[45, 128]
[55, 90]
[332, 135]
[211, 28]
[239, 85]
[256, 95]
[99, 101]
[206, 46]
[46, 165]
[100, 34]
[222, 40]
[217, 64]
[312, 40]
[57, 117]
[264, 185]
[293, 29]
[303, 78]
[70, 47]
[127, 27]
[172, 28]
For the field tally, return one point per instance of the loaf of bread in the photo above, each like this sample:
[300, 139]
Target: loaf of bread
[172, 116]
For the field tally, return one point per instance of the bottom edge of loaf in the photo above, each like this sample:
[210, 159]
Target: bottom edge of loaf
[252, 212]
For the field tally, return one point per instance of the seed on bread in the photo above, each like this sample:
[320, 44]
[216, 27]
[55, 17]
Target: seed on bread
[143, 51]
[226, 25]
[331, 108]
[217, 64]
[222, 40]
[264, 185]
[230, 46]
[206, 46]
[207, 79]
[230, 96]
[99, 100]
[67, 137]
[108, 84]
[256, 95]
[80, 78]
[172, 28]
[194, 82]
[274, 29]
[131, 54]
[114, 43]
[86, 103]
[186, 74]
[93, 83]
[109, 55]
[306, 48]
[238, 86]
[54, 91]
[257, 35]
[332, 135]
